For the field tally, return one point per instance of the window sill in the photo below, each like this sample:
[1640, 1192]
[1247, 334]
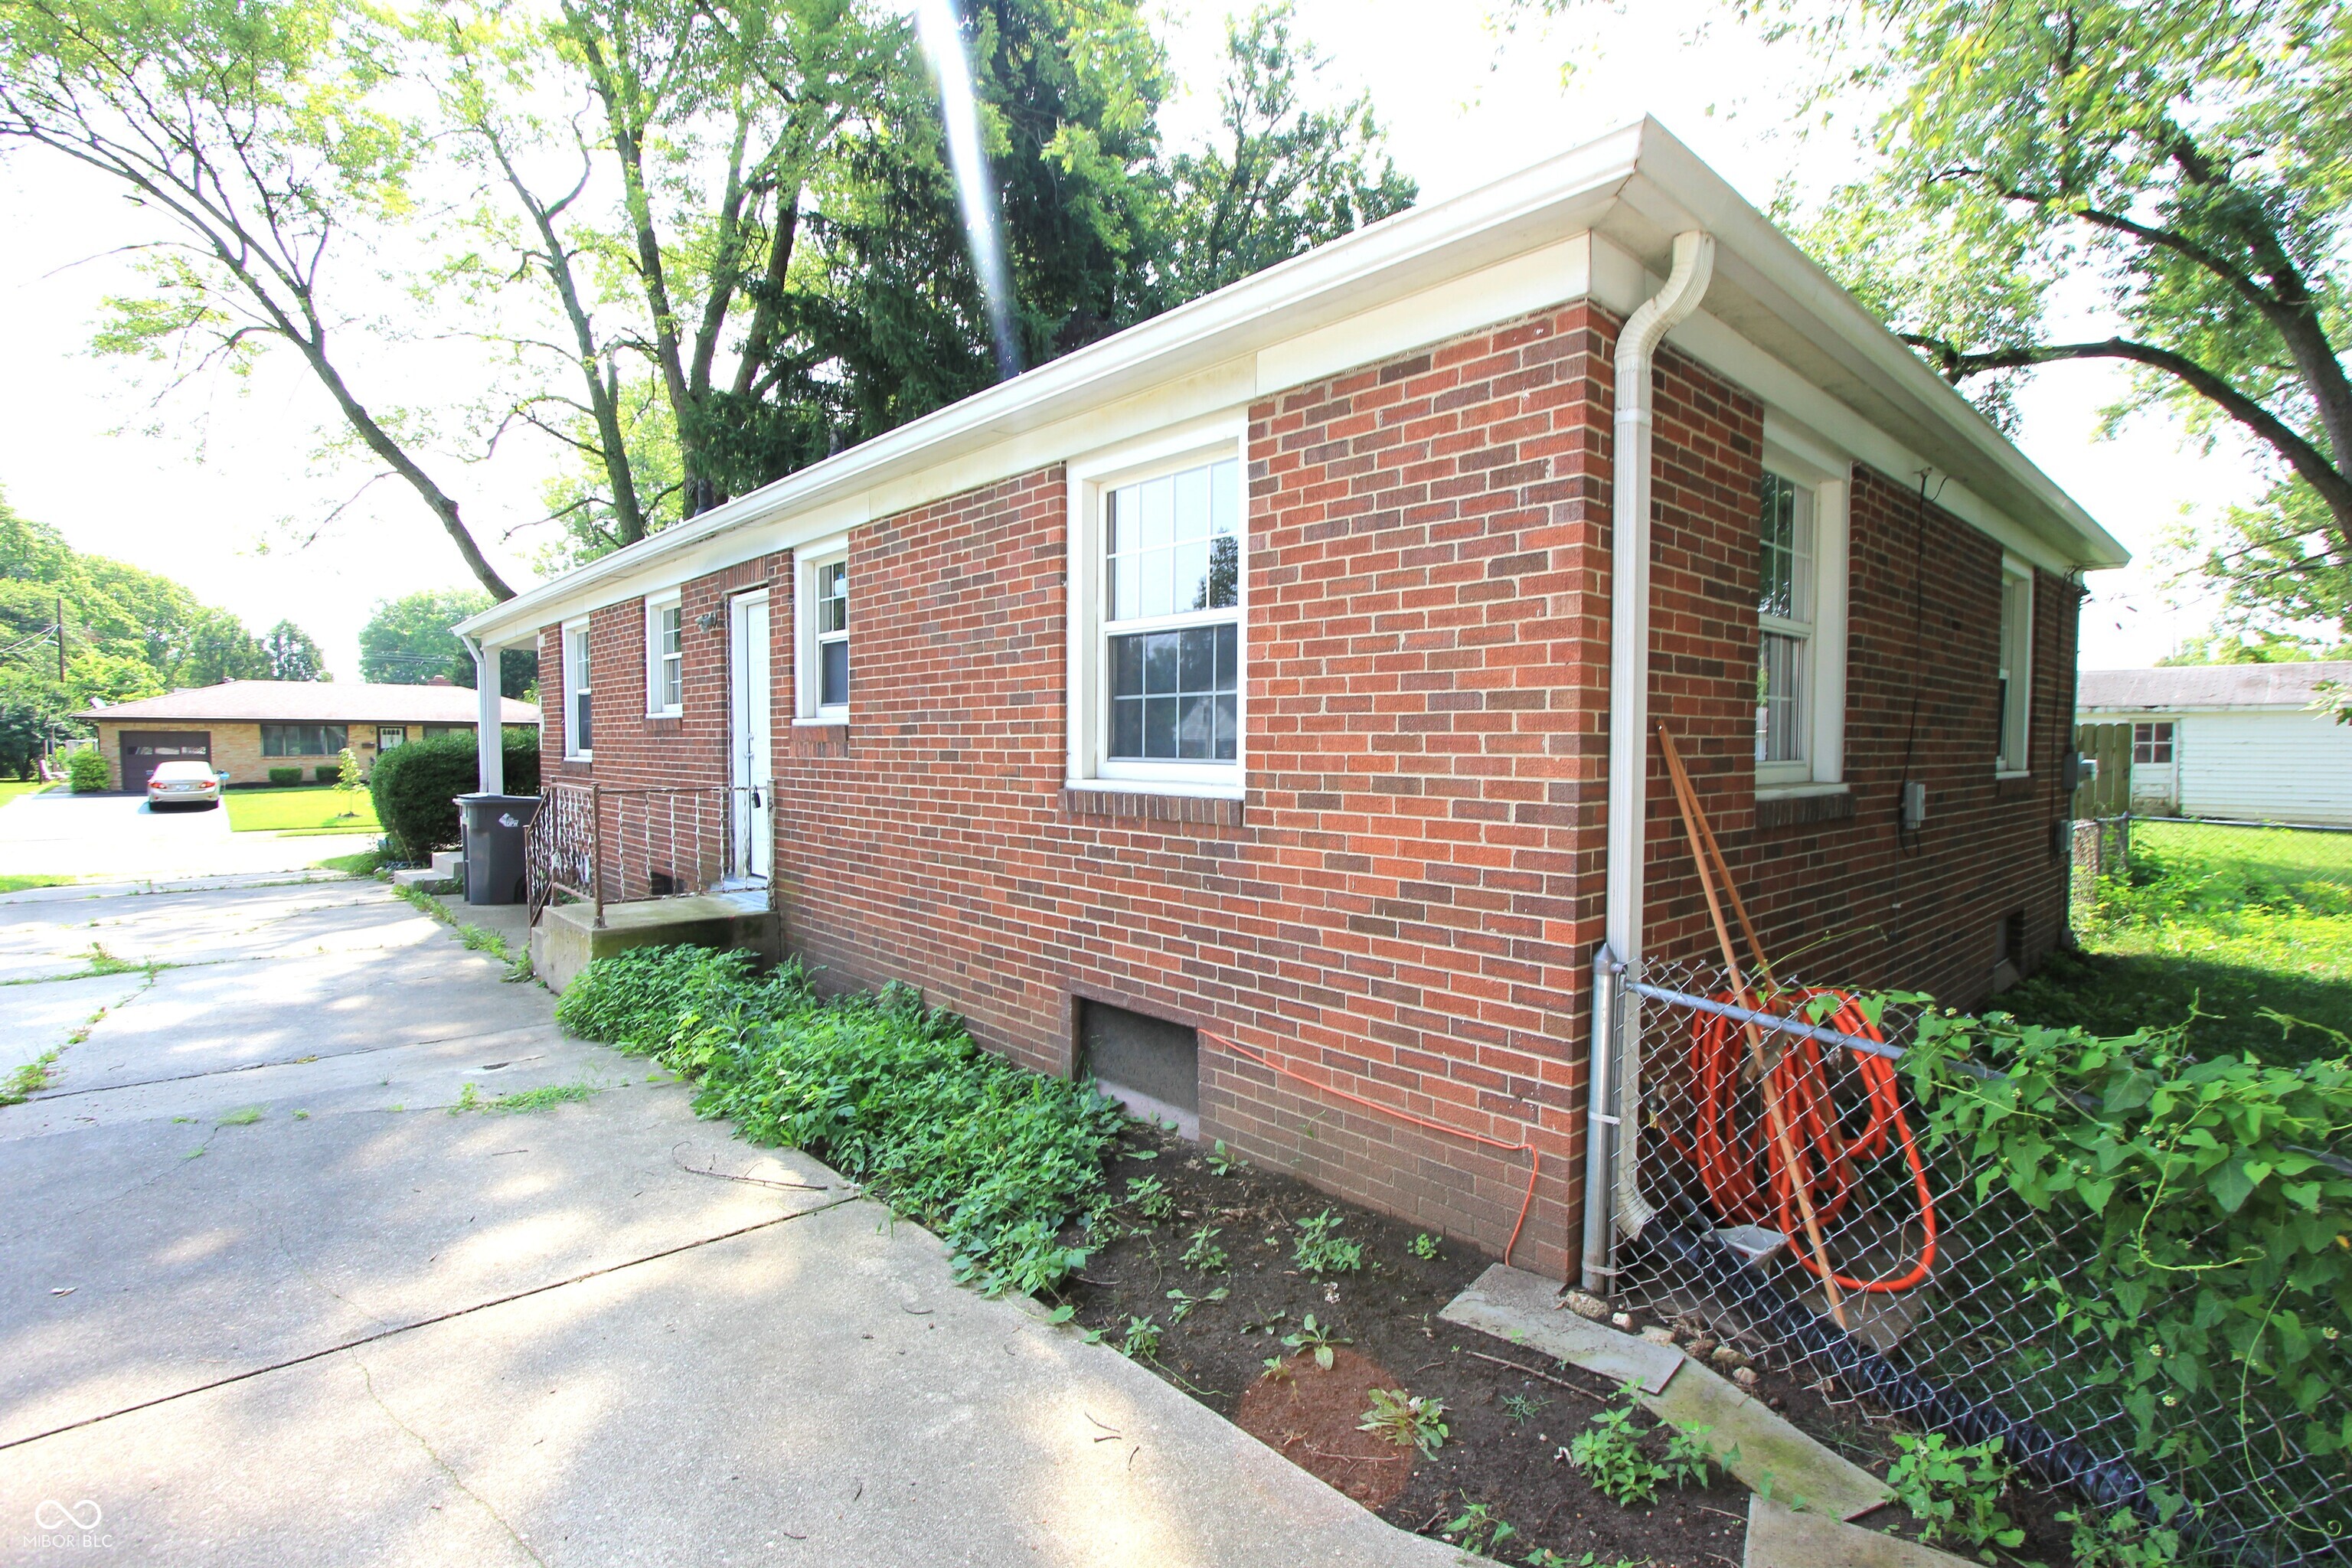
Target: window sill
[827, 720]
[1184, 789]
[1800, 791]
[1096, 797]
[579, 756]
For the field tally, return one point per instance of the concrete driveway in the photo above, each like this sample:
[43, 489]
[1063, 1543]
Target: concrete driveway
[117, 838]
[266, 1298]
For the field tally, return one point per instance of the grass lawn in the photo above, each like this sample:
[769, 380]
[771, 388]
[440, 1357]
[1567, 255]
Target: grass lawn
[10, 883]
[11, 788]
[302, 809]
[2242, 935]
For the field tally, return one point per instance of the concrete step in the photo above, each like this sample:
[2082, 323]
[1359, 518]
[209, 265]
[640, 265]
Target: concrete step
[449, 864]
[1782, 1537]
[432, 879]
[1771, 1455]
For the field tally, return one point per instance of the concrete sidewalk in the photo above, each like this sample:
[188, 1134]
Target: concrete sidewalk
[264, 1300]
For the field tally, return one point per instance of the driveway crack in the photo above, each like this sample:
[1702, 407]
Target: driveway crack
[442, 1465]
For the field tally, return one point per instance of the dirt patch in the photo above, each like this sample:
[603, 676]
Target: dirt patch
[1309, 1414]
[1511, 1410]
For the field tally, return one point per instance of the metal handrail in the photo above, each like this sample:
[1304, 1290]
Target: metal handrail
[567, 853]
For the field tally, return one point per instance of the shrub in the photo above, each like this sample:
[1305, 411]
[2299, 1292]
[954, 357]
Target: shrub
[85, 771]
[998, 1159]
[416, 787]
[327, 772]
[285, 776]
[1954, 1489]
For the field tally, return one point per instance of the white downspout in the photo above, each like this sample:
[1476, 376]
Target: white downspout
[489, 716]
[1629, 755]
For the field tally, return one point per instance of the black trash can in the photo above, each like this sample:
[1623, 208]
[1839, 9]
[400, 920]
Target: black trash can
[496, 869]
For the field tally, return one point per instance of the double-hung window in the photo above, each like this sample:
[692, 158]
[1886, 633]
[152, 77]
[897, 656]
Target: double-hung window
[822, 606]
[1800, 614]
[578, 708]
[1158, 633]
[2016, 667]
[664, 657]
[1784, 610]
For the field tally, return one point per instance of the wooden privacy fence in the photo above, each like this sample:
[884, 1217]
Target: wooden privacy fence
[2109, 794]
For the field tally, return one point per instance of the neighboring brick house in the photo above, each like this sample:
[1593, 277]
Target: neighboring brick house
[1251, 672]
[246, 728]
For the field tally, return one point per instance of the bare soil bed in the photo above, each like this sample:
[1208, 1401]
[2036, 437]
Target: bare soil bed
[1508, 1414]
[1510, 1411]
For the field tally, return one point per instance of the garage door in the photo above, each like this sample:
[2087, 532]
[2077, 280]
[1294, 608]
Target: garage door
[144, 751]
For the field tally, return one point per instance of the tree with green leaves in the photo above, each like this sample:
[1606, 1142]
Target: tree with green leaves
[1283, 176]
[407, 642]
[2158, 185]
[293, 655]
[256, 136]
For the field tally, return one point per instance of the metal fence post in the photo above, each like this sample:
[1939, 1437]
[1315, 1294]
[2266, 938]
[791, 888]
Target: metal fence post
[596, 849]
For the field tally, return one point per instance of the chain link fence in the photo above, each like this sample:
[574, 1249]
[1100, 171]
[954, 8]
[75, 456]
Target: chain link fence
[1899, 1273]
[2263, 854]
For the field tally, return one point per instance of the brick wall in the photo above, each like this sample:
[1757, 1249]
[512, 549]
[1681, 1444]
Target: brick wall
[1859, 907]
[236, 748]
[1405, 909]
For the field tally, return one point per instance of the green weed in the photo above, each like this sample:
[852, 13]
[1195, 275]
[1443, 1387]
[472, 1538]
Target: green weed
[1142, 1339]
[1477, 1528]
[1220, 1163]
[2122, 1540]
[999, 1160]
[1309, 1336]
[1519, 1407]
[1321, 1249]
[1202, 1253]
[28, 1079]
[1610, 1454]
[468, 1099]
[544, 1097]
[1185, 1302]
[1410, 1421]
[245, 1118]
[1423, 1247]
[1149, 1197]
[1953, 1489]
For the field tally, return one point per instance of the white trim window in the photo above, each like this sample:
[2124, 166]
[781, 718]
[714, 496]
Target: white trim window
[664, 656]
[1801, 624]
[1159, 585]
[821, 677]
[578, 707]
[2015, 672]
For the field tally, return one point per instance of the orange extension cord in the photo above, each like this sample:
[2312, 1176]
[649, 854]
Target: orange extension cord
[1535, 1155]
[1730, 1146]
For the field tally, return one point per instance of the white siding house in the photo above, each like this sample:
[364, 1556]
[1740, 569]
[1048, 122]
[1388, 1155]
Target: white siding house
[2237, 742]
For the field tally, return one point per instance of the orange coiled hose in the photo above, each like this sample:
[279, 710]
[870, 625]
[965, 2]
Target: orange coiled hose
[1747, 1179]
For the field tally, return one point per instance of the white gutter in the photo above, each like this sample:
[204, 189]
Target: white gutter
[1628, 752]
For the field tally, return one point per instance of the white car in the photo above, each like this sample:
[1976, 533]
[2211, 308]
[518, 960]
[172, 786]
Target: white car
[182, 784]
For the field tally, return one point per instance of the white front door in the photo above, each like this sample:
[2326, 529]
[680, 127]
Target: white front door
[752, 703]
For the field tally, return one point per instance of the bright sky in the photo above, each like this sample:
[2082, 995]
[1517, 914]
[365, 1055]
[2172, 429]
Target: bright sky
[224, 499]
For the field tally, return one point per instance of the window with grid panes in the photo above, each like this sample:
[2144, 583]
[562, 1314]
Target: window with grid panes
[1172, 552]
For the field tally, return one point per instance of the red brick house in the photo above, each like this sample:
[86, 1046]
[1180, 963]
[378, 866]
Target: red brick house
[1229, 708]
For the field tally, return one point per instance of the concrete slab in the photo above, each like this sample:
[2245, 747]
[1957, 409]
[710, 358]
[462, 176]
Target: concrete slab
[34, 1019]
[1781, 1537]
[345, 1325]
[225, 1016]
[1763, 1449]
[1523, 1308]
[567, 938]
[233, 1248]
[826, 1394]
